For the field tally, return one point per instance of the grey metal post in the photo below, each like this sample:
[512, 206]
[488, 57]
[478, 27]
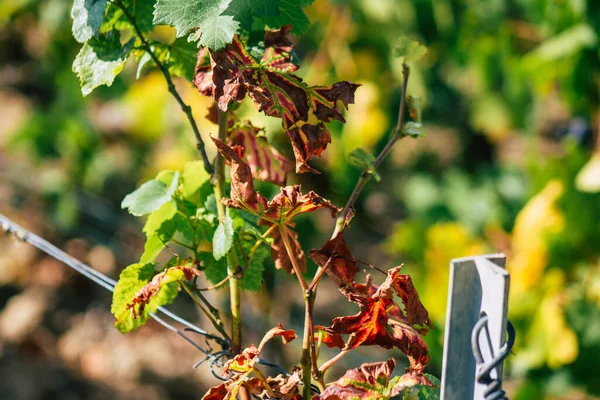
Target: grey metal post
[477, 285]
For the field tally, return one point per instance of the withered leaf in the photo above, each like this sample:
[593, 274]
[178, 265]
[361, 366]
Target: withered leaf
[233, 72]
[341, 266]
[266, 163]
[282, 387]
[368, 327]
[287, 335]
[279, 252]
[243, 193]
[367, 382]
[415, 312]
[143, 296]
[278, 213]
[372, 381]
[243, 362]
[382, 322]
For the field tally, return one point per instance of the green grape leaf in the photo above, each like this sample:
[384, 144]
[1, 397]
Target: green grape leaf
[409, 50]
[244, 10]
[364, 160]
[159, 230]
[131, 281]
[150, 196]
[223, 238]
[423, 392]
[100, 60]
[212, 23]
[195, 182]
[87, 18]
[215, 270]
[144, 60]
[142, 12]
[182, 57]
[253, 275]
[203, 17]
[290, 13]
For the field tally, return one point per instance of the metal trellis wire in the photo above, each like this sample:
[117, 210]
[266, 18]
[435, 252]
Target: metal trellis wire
[214, 359]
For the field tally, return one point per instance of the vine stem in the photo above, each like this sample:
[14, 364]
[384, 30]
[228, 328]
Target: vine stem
[307, 358]
[172, 89]
[211, 313]
[328, 364]
[365, 176]
[235, 280]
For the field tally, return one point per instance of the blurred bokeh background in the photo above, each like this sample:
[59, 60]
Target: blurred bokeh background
[510, 163]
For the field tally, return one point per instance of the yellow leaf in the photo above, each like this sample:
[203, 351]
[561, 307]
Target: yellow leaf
[549, 341]
[539, 217]
[445, 241]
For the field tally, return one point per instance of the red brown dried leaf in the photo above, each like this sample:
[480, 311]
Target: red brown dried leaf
[243, 362]
[280, 211]
[282, 387]
[145, 294]
[234, 72]
[243, 193]
[382, 322]
[368, 327]
[287, 335]
[266, 163]
[336, 255]
[367, 382]
[401, 285]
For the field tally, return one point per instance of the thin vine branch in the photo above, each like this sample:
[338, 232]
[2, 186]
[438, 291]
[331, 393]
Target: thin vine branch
[172, 89]
[235, 280]
[328, 364]
[365, 176]
[307, 358]
[215, 286]
[211, 313]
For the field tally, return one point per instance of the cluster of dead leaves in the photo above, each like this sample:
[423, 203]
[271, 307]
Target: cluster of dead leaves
[232, 73]
[241, 372]
[277, 214]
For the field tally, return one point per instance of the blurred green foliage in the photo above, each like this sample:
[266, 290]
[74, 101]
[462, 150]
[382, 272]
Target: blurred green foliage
[510, 93]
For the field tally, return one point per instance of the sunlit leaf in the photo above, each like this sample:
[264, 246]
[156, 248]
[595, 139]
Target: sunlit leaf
[100, 60]
[280, 211]
[409, 50]
[212, 23]
[150, 290]
[382, 322]
[287, 335]
[131, 281]
[150, 196]
[87, 18]
[369, 382]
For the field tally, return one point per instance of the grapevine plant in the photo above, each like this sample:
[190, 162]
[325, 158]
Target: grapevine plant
[230, 50]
